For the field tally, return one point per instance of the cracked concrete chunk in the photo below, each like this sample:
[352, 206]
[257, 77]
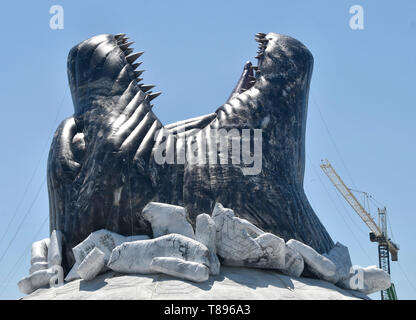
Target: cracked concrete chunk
[136, 256]
[166, 218]
[294, 263]
[319, 265]
[39, 251]
[205, 233]
[341, 257]
[55, 249]
[104, 240]
[367, 280]
[91, 266]
[241, 243]
[38, 266]
[36, 280]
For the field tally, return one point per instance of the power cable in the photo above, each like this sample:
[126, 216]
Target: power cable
[14, 215]
[332, 140]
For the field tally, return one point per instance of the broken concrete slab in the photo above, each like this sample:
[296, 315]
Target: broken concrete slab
[39, 251]
[92, 265]
[205, 233]
[341, 257]
[166, 218]
[55, 249]
[319, 265]
[367, 280]
[136, 256]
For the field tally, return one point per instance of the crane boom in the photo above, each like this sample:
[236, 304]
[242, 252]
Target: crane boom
[351, 199]
[377, 234]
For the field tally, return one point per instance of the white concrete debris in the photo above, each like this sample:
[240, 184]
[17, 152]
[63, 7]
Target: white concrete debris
[39, 255]
[167, 218]
[39, 252]
[104, 240]
[240, 243]
[91, 266]
[294, 263]
[180, 268]
[46, 256]
[319, 265]
[341, 257]
[367, 280]
[55, 249]
[38, 266]
[36, 280]
[205, 233]
[178, 251]
[136, 256]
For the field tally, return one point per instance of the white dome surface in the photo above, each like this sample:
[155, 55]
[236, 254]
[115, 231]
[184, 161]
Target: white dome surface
[231, 283]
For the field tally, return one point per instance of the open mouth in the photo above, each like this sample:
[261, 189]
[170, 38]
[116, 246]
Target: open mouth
[250, 72]
[246, 82]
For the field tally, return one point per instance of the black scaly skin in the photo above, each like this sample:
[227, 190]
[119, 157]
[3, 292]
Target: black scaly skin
[101, 167]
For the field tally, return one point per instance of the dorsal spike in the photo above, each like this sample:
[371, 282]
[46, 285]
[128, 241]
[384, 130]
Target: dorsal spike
[137, 73]
[135, 65]
[132, 57]
[153, 95]
[147, 87]
[124, 46]
[119, 36]
[128, 51]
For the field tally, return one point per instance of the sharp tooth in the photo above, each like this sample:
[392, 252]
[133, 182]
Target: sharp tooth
[119, 36]
[135, 65]
[122, 41]
[124, 46]
[147, 87]
[138, 73]
[260, 34]
[259, 56]
[132, 57]
[153, 95]
[262, 41]
[139, 79]
[128, 51]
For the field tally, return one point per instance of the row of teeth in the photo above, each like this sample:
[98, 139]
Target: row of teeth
[261, 39]
[131, 57]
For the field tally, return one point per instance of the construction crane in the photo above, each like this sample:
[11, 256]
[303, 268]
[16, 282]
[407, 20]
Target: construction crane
[378, 232]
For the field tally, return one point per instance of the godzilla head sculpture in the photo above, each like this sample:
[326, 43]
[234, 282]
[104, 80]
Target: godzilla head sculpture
[102, 169]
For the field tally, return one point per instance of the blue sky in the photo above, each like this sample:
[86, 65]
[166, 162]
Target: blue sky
[361, 110]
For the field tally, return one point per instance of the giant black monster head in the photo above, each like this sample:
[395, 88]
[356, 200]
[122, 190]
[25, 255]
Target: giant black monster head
[99, 71]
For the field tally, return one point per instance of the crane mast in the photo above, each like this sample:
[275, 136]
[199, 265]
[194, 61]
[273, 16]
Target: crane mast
[378, 232]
